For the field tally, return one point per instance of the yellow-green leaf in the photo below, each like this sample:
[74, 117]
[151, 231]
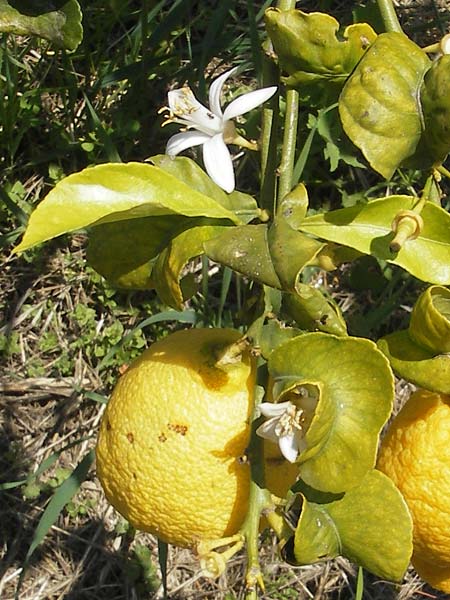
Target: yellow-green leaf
[370, 525]
[169, 266]
[435, 99]
[115, 192]
[367, 228]
[430, 320]
[355, 389]
[379, 105]
[58, 21]
[312, 311]
[421, 354]
[123, 252]
[186, 170]
[309, 50]
[416, 364]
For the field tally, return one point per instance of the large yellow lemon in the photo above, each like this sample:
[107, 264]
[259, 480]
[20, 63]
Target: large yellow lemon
[171, 447]
[415, 454]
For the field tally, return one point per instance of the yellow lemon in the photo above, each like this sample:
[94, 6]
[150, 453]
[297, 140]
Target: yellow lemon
[172, 442]
[415, 454]
[173, 435]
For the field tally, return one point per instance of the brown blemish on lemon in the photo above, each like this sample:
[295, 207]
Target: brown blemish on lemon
[177, 428]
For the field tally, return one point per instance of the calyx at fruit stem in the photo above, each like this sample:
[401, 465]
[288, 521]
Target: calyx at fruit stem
[231, 353]
[214, 563]
[407, 225]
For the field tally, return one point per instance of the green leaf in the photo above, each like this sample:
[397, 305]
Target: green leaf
[290, 252]
[435, 99]
[367, 228]
[115, 192]
[245, 250]
[416, 364]
[273, 334]
[379, 105]
[370, 525]
[188, 171]
[421, 354]
[313, 312]
[316, 537]
[430, 320]
[308, 49]
[274, 255]
[338, 146]
[57, 21]
[293, 206]
[172, 260]
[355, 388]
[124, 252]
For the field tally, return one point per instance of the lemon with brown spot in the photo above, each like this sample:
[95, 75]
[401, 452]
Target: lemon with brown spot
[415, 454]
[173, 434]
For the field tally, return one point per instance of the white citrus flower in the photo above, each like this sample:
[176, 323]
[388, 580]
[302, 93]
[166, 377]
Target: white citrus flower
[285, 426]
[212, 127]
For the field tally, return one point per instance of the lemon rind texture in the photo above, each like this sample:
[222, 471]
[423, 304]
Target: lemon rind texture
[171, 438]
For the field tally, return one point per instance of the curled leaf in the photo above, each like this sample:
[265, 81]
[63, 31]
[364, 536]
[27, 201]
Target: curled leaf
[245, 250]
[416, 364]
[58, 21]
[379, 105]
[367, 518]
[168, 268]
[430, 320]
[435, 99]
[313, 312]
[274, 255]
[124, 252]
[355, 395]
[421, 354]
[308, 49]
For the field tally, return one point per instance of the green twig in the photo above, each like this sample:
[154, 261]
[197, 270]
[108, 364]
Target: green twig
[269, 137]
[443, 171]
[389, 16]
[286, 4]
[259, 499]
[269, 140]
[289, 143]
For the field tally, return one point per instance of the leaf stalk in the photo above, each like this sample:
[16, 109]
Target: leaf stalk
[286, 169]
[389, 16]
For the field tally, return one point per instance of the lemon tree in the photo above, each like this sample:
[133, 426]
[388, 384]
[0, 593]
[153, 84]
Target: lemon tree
[212, 431]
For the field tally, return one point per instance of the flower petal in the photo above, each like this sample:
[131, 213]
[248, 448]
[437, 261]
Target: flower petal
[187, 139]
[183, 104]
[247, 102]
[288, 447]
[218, 162]
[267, 430]
[215, 91]
[273, 409]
